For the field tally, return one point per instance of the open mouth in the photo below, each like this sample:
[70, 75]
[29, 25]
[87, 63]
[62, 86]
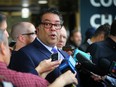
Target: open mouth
[53, 36]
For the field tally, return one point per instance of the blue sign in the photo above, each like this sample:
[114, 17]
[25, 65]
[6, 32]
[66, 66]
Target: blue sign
[94, 13]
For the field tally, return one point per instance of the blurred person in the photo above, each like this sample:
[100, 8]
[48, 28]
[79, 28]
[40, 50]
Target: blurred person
[23, 33]
[3, 24]
[105, 49]
[100, 34]
[27, 58]
[75, 38]
[63, 38]
[88, 35]
[28, 80]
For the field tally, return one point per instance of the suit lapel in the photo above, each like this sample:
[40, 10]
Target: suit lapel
[41, 48]
[64, 54]
[45, 51]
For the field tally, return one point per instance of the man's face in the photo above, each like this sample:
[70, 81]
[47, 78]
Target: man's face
[30, 38]
[8, 55]
[6, 51]
[49, 35]
[77, 38]
[4, 27]
[63, 38]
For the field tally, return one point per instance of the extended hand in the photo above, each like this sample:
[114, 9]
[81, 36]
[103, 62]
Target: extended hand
[46, 66]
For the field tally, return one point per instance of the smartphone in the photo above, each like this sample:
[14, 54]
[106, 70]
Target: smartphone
[113, 68]
[54, 56]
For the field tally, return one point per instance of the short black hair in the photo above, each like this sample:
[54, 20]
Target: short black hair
[49, 10]
[113, 28]
[105, 29]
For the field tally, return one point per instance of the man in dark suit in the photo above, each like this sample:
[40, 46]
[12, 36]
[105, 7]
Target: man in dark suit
[100, 34]
[27, 58]
[104, 50]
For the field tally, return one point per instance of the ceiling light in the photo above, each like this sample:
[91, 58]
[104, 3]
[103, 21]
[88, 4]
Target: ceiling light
[25, 4]
[42, 1]
[25, 12]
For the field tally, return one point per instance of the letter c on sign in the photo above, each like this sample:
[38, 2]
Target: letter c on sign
[95, 3]
[92, 20]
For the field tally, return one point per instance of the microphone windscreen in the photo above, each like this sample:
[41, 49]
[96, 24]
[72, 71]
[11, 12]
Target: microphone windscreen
[82, 59]
[85, 63]
[104, 64]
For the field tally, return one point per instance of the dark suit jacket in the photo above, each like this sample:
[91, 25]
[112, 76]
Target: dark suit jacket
[29, 57]
[84, 46]
[104, 49]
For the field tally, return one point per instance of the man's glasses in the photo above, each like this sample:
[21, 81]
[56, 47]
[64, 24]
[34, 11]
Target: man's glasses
[29, 33]
[49, 25]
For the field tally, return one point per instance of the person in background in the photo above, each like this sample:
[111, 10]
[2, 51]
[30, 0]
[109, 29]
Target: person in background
[3, 24]
[88, 35]
[75, 38]
[23, 33]
[28, 80]
[100, 34]
[63, 38]
[104, 50]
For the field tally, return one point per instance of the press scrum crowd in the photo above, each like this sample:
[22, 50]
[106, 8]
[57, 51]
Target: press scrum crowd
[45, 56]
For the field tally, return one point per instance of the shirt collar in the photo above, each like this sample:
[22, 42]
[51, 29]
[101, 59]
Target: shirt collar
[49, 48]
[89, 41]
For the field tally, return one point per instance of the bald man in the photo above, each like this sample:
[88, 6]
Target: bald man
[23, 33]
[63, 38]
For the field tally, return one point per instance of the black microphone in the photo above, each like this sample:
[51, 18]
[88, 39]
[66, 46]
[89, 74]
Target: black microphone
[104, 65]
[85, 63]
[108, 67]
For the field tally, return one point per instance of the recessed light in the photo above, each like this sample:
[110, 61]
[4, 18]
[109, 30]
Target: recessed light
[42, 1]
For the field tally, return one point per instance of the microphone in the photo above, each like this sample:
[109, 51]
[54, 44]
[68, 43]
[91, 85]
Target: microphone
[108, 67]
[104, 65]
[68, 64]
[76, 51]
[85, 62]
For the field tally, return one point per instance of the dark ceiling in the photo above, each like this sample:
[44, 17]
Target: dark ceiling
[33, 5]
[16, 5]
